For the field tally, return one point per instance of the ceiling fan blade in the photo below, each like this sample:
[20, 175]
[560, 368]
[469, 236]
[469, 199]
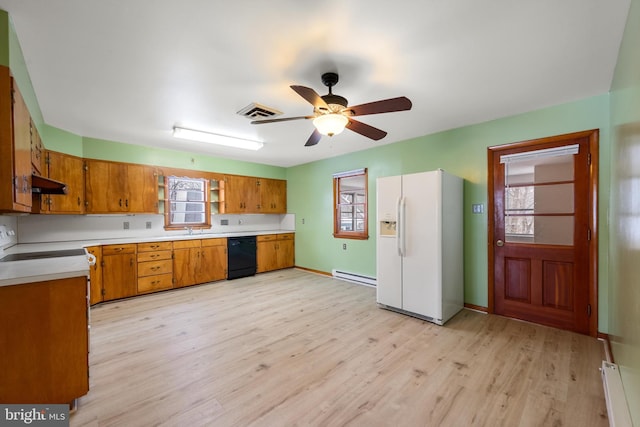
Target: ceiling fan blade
[313, 139]
[401, 103]
[366, 130]
[282, 119]
[311, 96]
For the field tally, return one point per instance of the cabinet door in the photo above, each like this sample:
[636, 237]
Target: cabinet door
[37, 152]
[241, 194]
[213, 264]
[119, 276]
[95, 276]
[141, 194]
[68, 169]
[273, 195]
[185, 266]
[285, 253]
[266, 256]
[105, 183]
[22, 151]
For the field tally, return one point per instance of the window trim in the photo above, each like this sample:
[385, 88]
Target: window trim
[337, 232]
[167, 206]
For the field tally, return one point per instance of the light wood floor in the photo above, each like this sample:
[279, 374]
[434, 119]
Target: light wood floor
[291, 348]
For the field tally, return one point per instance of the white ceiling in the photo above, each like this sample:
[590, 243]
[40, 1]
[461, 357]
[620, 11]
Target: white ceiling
[129, 71]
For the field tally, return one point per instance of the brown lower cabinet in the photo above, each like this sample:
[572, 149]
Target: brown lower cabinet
[155, 267]
[275, 251]
[44, 342]
[139, 268]
[199, 261]
[119, 278]
[95, 274]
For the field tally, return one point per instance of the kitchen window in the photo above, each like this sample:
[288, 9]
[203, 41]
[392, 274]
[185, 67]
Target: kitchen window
[350, 220]
[187, 203]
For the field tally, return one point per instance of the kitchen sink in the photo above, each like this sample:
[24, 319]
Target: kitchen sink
[45, 254]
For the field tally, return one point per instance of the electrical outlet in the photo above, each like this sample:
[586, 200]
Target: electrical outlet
[148, 225]
[125, 225]
[224, 222]
[344, 246]
[477, 208]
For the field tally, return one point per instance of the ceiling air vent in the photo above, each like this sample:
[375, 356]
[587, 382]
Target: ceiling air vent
[255, 111]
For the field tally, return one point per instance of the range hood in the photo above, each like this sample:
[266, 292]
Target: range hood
[42, 185]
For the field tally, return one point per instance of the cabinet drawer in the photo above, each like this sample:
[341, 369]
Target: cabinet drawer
[119, 249]
[266, 238]
[155, 267]
[154, 246]
[155, 283]
[153, 256]
[214, 242]
[186, 244]
[285, 236]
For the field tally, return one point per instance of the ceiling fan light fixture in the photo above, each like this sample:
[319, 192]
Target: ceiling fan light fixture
[330, 124]
[215, 138]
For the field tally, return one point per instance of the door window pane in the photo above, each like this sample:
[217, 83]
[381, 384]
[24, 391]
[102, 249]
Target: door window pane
[539, 200]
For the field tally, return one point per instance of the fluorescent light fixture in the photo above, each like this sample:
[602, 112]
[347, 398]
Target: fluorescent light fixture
[215, 138]
[330, 124]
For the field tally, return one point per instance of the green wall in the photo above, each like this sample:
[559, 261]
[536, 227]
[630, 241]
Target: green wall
[19, 71]
[624, 250]
[109, 150]
[461, 151]
[4, 38]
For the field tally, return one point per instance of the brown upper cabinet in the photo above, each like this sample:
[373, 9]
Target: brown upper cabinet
[15, 147]
[113, 187]
[273, 195]
[37, 151]
[70, 170]
[241, 194]
[245, 194]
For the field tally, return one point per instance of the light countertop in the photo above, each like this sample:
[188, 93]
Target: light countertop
[38, 270]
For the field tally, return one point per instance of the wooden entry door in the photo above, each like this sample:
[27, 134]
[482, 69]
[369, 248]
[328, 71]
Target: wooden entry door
[542, 231]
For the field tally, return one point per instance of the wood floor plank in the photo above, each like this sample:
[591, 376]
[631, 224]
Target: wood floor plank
[292, 348]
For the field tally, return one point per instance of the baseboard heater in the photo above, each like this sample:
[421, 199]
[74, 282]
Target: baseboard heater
[353, 277]
[617, 408]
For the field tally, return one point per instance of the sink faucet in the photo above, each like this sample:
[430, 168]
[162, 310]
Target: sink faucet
[189, 230]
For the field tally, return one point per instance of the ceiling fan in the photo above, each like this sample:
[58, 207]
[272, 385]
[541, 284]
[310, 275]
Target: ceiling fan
[331, 113]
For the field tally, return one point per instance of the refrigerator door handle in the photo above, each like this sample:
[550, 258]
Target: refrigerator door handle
[398, 225]
[401, 231]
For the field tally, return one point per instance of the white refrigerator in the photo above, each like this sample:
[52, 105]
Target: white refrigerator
[419, 247]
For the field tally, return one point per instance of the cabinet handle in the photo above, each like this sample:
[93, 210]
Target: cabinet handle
[118, 249]
[155, 246]
[120, 202]
[79, 202]
[155, 282]
[126, 203]
[155, 268]
[154, 255]
[131, 262]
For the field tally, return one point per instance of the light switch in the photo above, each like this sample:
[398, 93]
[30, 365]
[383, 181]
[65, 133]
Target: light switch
[477, 208]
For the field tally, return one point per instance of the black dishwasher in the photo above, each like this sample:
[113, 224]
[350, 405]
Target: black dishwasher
[241, 256]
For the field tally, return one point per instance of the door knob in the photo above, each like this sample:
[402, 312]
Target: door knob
[499, 243]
